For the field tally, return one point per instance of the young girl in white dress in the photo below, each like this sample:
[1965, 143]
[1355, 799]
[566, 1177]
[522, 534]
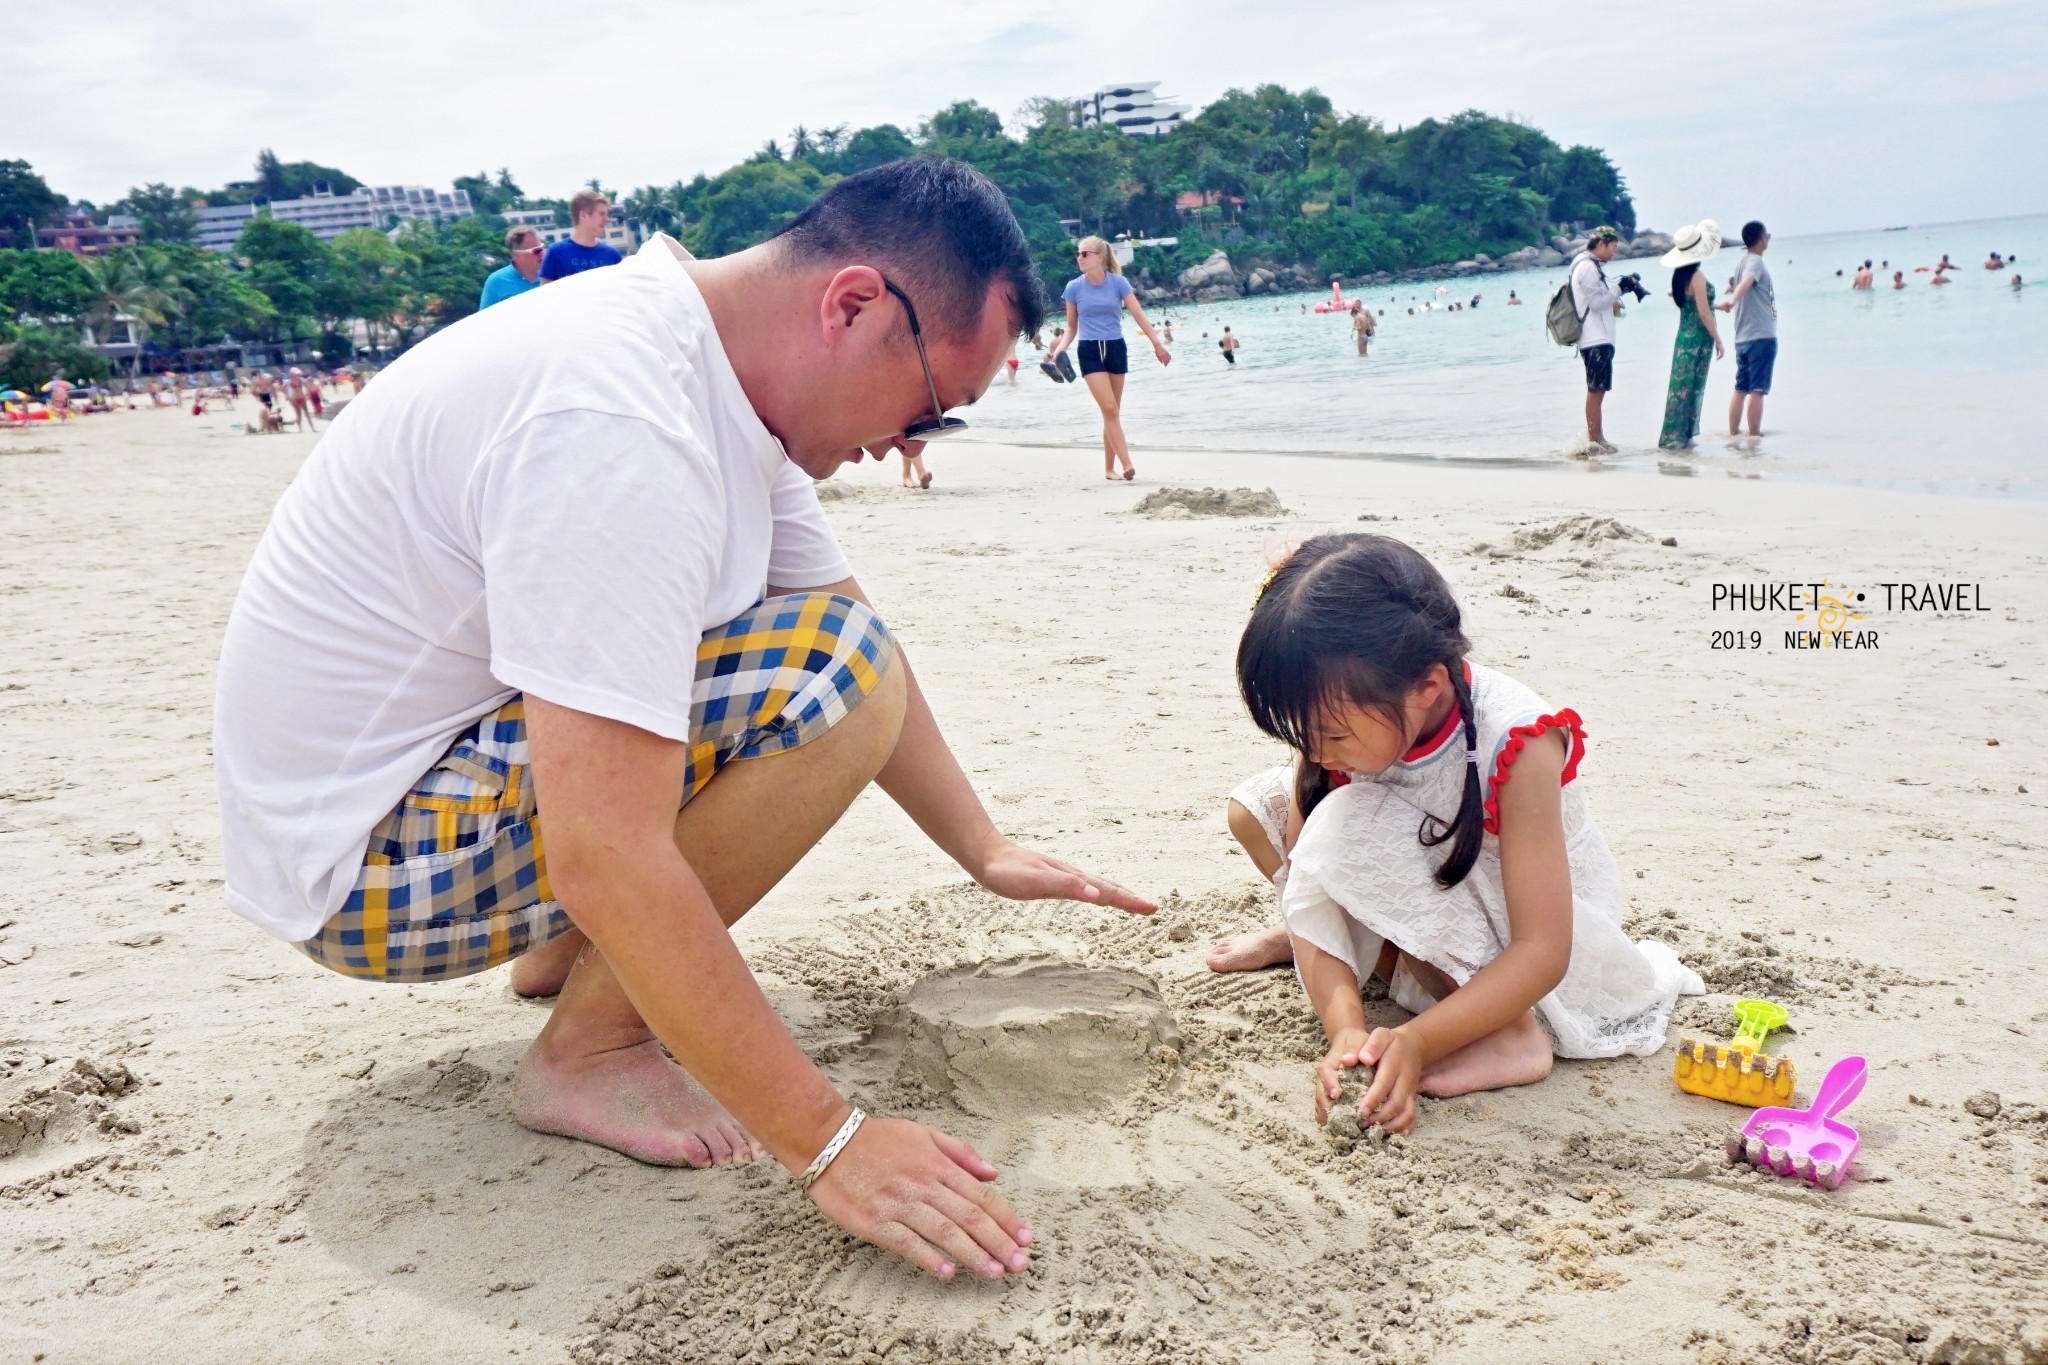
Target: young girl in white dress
[1432, 830]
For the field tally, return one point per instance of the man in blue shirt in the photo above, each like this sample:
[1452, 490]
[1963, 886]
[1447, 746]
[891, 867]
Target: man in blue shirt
[584, 247]
[523, 274]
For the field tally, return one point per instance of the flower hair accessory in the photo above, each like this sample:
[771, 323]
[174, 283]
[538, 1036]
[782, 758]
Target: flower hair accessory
[1267, 582]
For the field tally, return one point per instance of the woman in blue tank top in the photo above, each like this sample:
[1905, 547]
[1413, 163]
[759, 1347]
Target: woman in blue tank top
[1096, 299]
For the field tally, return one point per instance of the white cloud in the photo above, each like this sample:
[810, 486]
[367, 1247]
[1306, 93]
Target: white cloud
[1819, 115]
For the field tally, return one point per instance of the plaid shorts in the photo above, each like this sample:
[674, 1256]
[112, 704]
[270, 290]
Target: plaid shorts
[455, 880]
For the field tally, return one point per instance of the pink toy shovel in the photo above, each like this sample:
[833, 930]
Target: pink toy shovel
[1807, 1144]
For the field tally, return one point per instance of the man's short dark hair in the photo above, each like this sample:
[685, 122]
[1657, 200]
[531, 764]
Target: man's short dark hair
[939, 229]
[1752, 232]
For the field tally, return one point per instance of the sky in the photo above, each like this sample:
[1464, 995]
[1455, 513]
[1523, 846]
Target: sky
[1816, 116]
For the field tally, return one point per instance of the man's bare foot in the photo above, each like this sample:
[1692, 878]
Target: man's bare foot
[540, 972]
[1268, 947]
[633, 1100]
[1516, 1055]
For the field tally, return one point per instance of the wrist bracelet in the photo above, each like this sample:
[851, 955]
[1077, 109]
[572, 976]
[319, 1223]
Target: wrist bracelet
[834, 1147]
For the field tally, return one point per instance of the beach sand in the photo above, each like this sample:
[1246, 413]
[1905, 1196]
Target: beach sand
[212, 1150]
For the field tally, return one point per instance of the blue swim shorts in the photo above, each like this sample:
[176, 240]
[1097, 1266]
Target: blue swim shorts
[1754, 361]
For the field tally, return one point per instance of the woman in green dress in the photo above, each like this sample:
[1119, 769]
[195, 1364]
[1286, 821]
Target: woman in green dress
[1699, 340]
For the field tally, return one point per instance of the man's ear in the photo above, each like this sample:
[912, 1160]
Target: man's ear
[853, 291]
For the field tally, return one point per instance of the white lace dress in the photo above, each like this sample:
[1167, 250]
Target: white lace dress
[1359, 876]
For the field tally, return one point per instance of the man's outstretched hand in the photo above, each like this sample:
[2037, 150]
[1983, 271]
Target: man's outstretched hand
[1021, 874]
[924, 1195]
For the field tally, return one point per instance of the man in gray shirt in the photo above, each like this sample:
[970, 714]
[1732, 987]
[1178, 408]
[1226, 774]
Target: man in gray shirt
[1755, 305]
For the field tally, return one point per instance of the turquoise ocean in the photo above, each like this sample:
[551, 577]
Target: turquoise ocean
[1942, 388]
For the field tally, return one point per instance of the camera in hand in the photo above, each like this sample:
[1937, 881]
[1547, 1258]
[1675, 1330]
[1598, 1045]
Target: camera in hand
[1632, 284]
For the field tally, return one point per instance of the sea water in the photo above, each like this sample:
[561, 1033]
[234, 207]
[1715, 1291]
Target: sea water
[1937, 387]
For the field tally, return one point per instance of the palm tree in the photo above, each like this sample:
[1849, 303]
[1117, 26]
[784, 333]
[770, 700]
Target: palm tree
[137, 284]
[648, 209]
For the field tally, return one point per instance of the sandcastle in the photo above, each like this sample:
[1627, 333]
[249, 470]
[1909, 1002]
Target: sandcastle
[1034, 1034]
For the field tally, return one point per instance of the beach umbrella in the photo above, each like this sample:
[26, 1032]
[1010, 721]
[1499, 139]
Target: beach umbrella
[12, 394]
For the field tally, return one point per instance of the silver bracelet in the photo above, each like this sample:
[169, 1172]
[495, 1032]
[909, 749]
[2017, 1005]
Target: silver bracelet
[834, 1147]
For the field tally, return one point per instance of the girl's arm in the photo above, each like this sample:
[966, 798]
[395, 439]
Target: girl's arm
[1537, 878]
[1334, 991]
[1698, 290]
[1145, 326]
[1067, 337]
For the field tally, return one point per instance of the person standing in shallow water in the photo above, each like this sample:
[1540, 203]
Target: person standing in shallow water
[1699, 340]
[1096, 299]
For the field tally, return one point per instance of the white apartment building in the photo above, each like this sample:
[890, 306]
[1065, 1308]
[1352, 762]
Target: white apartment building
[1134, 106]
[327, 216]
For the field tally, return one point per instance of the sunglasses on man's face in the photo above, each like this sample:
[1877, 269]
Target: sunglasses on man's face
[938, 424]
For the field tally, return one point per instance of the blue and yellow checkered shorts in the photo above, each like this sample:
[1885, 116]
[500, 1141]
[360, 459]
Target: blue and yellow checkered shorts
[455, 880]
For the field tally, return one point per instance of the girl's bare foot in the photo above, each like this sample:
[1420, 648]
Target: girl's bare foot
[1130, 473]
[540, 972]
[925, 481]
[1518, 1054]
[633, 1100]
[1268, 947]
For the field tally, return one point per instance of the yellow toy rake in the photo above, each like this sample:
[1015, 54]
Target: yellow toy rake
[1740, 1071]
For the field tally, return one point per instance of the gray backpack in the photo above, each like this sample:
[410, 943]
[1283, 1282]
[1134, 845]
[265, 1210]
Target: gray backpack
[1563, 316]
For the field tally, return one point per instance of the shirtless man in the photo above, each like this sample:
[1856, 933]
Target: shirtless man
[1362, 325]
[1862, 280]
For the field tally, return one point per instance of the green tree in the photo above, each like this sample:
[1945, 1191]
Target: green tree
[753, 201]
[35, 354]
[43, 285]
[167, 214]
[290, 266]
[138, 284]
[220, 303]
[871, 147]
[652, 209]
[26, 203]
[487, 195]
[365, 279]
[277, 179]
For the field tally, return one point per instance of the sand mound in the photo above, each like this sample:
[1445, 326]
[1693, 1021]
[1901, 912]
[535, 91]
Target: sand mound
[1210, 502]
[1036, 1032]
[58, 1099]
[1583, 532]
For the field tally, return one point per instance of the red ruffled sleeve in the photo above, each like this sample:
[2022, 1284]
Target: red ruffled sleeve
[1567, 720]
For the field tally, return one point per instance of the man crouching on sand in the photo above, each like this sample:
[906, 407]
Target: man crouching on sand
[560, 582]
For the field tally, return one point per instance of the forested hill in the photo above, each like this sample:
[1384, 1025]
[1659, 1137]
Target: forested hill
[1285, 179]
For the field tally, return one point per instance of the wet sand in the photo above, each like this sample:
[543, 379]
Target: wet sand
[211, 1150]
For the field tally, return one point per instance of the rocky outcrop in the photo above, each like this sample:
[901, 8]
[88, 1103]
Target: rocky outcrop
[1212, 279]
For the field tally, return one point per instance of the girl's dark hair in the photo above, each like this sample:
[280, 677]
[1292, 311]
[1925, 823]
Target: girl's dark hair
[1681, 280]
[1359, 619]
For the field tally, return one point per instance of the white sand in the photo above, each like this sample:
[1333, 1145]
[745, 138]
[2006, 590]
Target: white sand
[321, 1170]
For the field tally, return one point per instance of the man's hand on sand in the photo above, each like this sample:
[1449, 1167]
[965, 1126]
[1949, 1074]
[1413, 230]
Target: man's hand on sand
[1021, 874]
[924, 1195]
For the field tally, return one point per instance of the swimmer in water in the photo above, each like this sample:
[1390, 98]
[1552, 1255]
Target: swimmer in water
[1229, 347]
[1898, 279]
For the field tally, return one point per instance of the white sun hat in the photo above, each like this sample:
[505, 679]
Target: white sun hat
[1693, 243]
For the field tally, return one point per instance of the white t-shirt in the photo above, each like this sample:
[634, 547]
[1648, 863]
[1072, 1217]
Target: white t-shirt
[557, 496]
[1595, 299]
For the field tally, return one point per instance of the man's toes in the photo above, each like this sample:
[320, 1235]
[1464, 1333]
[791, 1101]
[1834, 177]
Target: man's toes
[696, 1153]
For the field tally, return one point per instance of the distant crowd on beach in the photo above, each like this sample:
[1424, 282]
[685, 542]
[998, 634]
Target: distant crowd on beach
[294, 396]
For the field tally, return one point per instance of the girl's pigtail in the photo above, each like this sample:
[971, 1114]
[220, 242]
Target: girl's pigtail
[1468, 828]
[1311, 784]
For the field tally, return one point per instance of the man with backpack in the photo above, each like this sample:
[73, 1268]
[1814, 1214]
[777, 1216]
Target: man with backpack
[1583, 313]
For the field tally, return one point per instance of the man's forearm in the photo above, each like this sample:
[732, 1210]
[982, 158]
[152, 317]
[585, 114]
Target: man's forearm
[924, 778]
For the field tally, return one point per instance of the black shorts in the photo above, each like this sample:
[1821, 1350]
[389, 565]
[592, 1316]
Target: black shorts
[265, 399]
[1599, 367]
[1104, 357]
